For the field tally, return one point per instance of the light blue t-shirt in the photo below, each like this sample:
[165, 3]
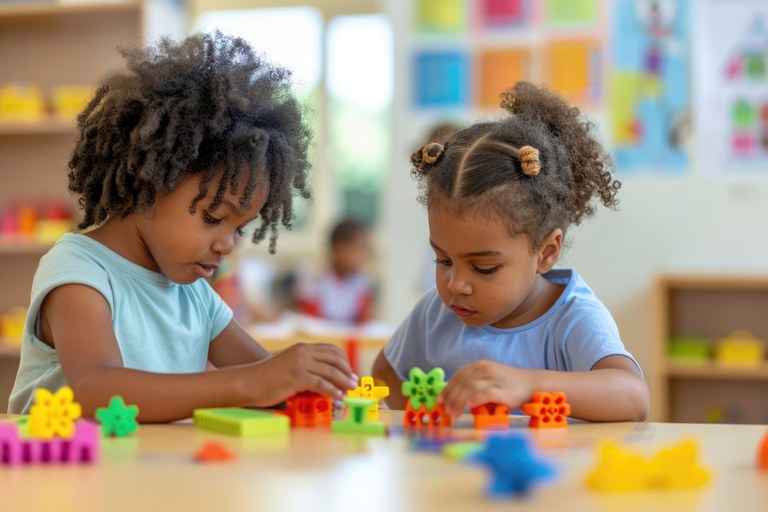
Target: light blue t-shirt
[573, 335]
[160, 326]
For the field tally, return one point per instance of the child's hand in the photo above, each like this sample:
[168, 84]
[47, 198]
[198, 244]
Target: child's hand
[482, 382]
[318, 367]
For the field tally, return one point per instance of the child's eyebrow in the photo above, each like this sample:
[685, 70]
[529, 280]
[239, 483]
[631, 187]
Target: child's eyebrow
[475, 254]
[233, 207]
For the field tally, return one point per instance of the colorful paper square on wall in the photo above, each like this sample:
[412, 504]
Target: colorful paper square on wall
[566, 13]
[495, 14]
[440, 79]
[499, 70]
[440, 15]
[574, 69]
[648, 100]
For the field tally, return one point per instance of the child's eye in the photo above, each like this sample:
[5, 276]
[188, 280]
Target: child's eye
[486, 271]
[443, 263]
[210, 219]
[240, 232]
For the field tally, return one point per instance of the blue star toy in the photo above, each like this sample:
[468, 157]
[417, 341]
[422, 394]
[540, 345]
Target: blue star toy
[512, 464]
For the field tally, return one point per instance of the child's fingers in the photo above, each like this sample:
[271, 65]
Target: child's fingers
[332, 355]
[341, 380]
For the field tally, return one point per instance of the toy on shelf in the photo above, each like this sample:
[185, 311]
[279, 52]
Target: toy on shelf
[41, 221]
[118, 419]
[740, 348]
[241, 422]
[358, 419]
[308, 409]
[12, 325]
[53, 414]
[513, 465]
[213, 451]
[81, 448]
[695, 349]
[491, 416]
[69, 100]
[21, 102]
[367, 389]
[620, 470]
[422, 408]
[547, 410]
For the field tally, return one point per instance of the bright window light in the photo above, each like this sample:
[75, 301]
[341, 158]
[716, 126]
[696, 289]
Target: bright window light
[288, 37]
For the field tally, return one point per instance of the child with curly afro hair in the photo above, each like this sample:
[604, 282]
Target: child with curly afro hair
[175, 157]
[501, 322]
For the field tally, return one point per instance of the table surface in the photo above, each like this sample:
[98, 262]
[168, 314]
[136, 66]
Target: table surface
[314, 469]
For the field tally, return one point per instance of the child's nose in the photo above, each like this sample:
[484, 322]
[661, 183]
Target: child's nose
[224, 245]
[458, 284]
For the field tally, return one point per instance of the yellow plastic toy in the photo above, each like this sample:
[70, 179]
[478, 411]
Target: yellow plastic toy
[21, 102]
[69, 100]
[740, 348]
[620, 470]
[53, 414]
[368, 390]
[12, 325]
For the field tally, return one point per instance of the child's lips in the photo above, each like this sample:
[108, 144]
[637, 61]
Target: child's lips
[461, 312]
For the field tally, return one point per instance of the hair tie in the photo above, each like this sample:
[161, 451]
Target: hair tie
[529, 160]
[432, 151]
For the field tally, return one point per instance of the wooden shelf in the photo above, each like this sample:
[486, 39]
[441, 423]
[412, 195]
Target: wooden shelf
[46, 126]
[714, 370]
[22, 9]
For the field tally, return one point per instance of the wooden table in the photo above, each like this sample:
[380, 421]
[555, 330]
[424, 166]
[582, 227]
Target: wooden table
[313, 469]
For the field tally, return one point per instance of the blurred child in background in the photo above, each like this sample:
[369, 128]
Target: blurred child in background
[342, 291]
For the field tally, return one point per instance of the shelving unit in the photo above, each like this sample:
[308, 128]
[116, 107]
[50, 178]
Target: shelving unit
[51, 44]
[710, 307]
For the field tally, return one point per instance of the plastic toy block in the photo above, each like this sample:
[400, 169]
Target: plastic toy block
[53, 414]
[619, 470]
[491, 416]
[118, 419]
[367, 389]
[741, 348]
[241, 422]
[213, 451]
[308, 409]
[462, 450]
[762, 454]
[547, 410]
[358, 419]
[513, 466]
[423, 389]
[423, 417]
[81, 448]
[689, 348]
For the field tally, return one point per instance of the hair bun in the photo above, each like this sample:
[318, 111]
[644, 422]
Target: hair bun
[432, 151]
[529, 160]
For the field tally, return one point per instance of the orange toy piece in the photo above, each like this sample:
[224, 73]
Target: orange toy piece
[547, 410]
[762, 454]
[491, 416]
[213, 451]
[309, 409]
[423, 417]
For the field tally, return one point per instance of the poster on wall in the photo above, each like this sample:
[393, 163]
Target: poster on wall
[731, 93]
[648, 100]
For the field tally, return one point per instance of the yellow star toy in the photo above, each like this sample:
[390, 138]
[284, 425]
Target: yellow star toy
[368, 390]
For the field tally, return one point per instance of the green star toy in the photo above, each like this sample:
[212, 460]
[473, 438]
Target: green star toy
[118, 419]
[424, 388]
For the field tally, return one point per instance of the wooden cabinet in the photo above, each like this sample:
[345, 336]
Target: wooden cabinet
[709, 309]
[52, 44]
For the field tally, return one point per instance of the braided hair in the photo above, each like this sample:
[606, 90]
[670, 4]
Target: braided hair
[206, 105]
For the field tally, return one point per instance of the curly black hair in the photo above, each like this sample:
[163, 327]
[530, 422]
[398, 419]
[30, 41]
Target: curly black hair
[192, 107]
[478, 169]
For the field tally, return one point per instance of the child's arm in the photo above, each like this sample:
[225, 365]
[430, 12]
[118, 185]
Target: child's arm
[613, 390]
[384, 373]
[77, 320]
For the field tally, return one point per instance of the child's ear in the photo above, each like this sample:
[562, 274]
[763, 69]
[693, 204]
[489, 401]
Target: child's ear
[549, 251]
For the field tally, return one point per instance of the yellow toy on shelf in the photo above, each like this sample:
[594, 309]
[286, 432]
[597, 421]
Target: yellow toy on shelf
[21, 102]
[740, 348]
[12, 325]
[69, 100]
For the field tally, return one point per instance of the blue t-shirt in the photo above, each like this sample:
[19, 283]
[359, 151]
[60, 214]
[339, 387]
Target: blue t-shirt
[160, 326]
[573, 335]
